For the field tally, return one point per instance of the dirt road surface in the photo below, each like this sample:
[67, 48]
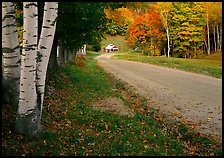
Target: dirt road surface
[196, 97]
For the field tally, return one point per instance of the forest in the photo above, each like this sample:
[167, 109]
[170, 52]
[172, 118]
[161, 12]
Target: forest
[40, 38]
[172, 29]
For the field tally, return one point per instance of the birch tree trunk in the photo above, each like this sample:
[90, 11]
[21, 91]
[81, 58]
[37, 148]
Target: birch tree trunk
[27, 119]
[44, 48]
[214, 38]
[82, 50]
[168, 38]
[220, 46]
[11, 54]
[208, 48]
[217, 32]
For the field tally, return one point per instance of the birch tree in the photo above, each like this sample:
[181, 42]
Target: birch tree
[207, 26]
[11, 54]
[34, 65]
[44, 48]
[164, 9]
[28, 112]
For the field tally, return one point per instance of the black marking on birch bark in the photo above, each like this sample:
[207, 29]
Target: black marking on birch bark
[7, 34]
[12, 5]
[9, 25]
[34, 35]
[10, 66]
[28, 65]
[32, 70]
[30, 4]
[46, 27]
[39, 56]
[10, 57]
[30, 110]
[17, 47]
[42, 47]
[7, 50]
[28, 49]
[8, 16]
[38, 86]
[32, 45]
[35, 15]
[22, 92]
[49, 36]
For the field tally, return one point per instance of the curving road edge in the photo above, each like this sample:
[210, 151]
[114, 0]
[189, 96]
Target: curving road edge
[198, 98]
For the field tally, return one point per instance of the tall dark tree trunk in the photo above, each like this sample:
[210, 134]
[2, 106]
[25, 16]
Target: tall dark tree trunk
[61, 55]
[52, 65]
[66, 56]
[71, 56]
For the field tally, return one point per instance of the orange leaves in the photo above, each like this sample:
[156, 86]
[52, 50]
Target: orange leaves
[122, 16]
[147, 28]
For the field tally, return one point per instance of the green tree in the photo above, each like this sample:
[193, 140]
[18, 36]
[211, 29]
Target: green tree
[186, 27]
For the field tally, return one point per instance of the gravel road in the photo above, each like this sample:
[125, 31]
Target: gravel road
[198, 98]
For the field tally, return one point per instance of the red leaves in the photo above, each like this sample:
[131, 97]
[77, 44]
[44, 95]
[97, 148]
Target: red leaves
[145, 27]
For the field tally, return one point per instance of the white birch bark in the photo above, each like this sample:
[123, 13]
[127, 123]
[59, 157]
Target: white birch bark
[208, 36]
[220, 46]
[214, 37]
[164, 11]
[217, 32]
[11, 53]
[44, 48]
[28, 112]
[84, 49]
[168, 37]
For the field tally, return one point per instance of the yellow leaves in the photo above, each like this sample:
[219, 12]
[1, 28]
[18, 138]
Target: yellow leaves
[210, 118]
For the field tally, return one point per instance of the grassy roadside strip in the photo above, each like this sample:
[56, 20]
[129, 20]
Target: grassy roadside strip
[206, 67]
[72, 127]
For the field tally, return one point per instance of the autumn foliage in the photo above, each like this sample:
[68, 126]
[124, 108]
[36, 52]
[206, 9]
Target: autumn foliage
[146, 31]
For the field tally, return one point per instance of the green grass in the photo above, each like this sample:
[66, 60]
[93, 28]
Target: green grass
[71, 127]
[201, 66]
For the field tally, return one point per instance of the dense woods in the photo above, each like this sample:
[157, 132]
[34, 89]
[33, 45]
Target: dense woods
[179, 29]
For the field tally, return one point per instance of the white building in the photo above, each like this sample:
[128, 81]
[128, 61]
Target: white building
[111, 48]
